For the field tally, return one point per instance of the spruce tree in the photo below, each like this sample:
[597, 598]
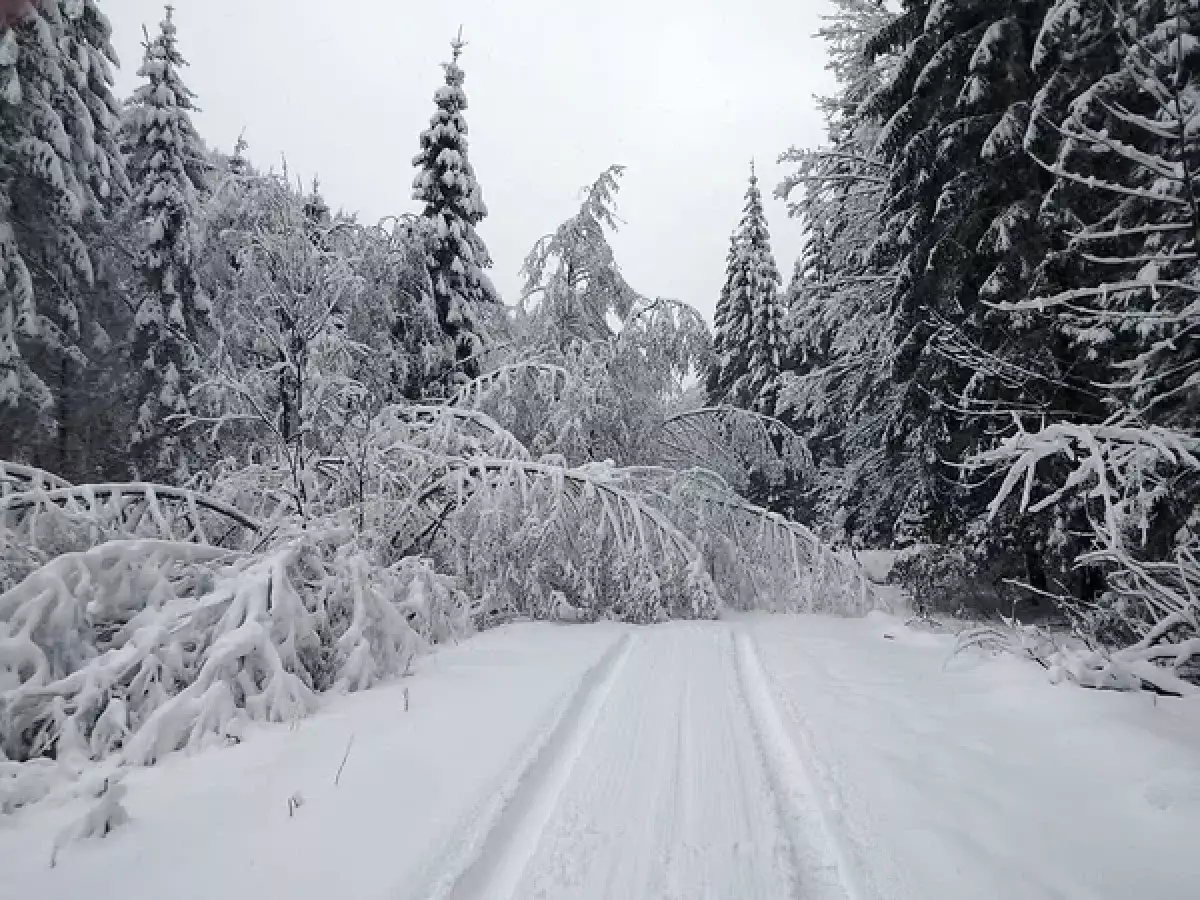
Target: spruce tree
[749, 334]
[1116, 126]
[60, 174]
[238, 164]
[453, 203]
[766, 335]
[166, 168]
[960, 234]
[721, 319]
[837, 389]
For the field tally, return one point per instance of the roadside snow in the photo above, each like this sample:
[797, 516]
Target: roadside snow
[217, 823]
[978, 778]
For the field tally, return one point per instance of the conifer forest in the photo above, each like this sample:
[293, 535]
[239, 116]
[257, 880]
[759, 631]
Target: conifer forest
[258, 454]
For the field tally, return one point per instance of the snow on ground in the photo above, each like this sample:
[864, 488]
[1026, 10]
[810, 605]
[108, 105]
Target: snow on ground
[759, 756]
[415, 784]
[978, 778]
[669, 796]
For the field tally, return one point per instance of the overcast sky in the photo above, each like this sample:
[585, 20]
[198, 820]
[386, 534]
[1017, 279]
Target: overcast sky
[682, 92]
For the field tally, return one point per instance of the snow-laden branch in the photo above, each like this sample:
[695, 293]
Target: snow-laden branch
[149, 646]
[19, 479]
[548, 377]
[126, 507]
[1065, 299]
[1123, 470]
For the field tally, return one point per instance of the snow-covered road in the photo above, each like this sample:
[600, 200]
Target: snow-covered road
[657, 789]
[774, 757]
[827, 759]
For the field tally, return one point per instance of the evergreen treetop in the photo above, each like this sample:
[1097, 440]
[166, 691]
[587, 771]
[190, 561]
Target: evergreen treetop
[749, 330]
[453, 203]
[166, 169]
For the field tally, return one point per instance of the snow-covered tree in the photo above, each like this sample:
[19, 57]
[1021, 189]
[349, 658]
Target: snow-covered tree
[283, 382]
[960, 232]
[595, 365]
[750, 332]
[468, 306]
[836, 389]
[166, 165]
[238, 164]
[573, 287]
[396, 315]
[1116, 125]
[1120, 136]
[60, 174]
[722, 311]
[847, 31]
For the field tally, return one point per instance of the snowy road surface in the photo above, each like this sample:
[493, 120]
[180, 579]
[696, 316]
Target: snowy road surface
[773, 757]
[658, 790]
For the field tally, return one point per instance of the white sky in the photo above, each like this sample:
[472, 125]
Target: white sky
[683, 92]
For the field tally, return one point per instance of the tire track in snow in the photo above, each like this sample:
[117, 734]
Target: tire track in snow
[823, 862]
[495, 854]
[680, 808]
[672, 799]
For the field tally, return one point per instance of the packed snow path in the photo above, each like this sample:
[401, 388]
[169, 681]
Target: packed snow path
[660, 783]
[764, 756]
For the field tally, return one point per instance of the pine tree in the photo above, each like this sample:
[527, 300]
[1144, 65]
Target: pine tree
[59, 176]
[446, 184]
[749, 334]
[166, 168]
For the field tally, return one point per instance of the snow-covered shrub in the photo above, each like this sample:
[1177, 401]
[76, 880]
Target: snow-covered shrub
[1076, 659]
[34, 532]
[153, 646]
[87, 627]
[950, 580]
